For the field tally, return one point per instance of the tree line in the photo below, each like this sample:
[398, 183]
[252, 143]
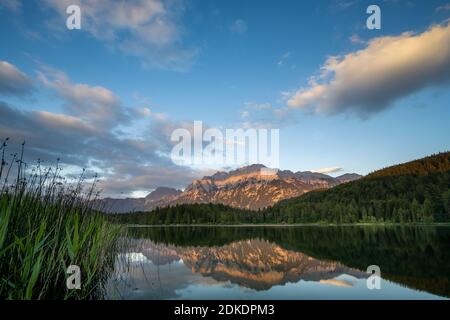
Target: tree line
[417, 191]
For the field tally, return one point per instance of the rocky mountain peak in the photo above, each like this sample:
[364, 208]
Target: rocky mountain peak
[161, 192]
[254, 187]
[348, 177]
[250, 187]
[221, 175]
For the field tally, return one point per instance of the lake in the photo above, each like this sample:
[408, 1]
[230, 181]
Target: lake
[282, 262]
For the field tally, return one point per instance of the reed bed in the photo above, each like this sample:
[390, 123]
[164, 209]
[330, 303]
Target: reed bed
[46, 224]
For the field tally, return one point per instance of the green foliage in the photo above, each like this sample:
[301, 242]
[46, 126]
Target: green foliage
[417, 191]
[380, 199]
[415, 256]
[187, 214]
[46, 226]
[435, 163]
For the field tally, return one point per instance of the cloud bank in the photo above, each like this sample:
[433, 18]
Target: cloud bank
[89, 133]
[372, 79]
[13, 81]
[94, 104]
[147, 29]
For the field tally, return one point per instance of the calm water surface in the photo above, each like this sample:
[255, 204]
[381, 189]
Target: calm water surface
[282, 263]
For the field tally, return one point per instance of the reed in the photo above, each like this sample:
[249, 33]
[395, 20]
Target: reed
[46, 224]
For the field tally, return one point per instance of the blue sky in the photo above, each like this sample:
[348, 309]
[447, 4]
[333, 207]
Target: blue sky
[228, 64]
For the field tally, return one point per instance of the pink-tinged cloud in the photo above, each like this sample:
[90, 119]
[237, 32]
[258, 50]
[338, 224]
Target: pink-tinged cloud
[13, 81]
[370, 80]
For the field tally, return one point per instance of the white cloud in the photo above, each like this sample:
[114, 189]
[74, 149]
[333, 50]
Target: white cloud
[94, 104]
[264, 115]
[13, 81]
[128, 147]
[283, 58]
[148, 29]
[257, 106]
[14, 5]
[238, 26]
[63, 122]
[244, 114]
[444, 7]
[327, 170]
[371, 79]
[125, 164]
[343, 4]
[355, 39]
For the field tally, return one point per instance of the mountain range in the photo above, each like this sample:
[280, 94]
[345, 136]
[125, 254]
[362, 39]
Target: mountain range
[251, 187]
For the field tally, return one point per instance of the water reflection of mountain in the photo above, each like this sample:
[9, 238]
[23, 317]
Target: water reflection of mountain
[416, 257]
[256, 264]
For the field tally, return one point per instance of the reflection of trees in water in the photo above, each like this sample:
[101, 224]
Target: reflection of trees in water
[418, 257]
[257, 264]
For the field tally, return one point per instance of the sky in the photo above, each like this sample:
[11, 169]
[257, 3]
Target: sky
[107, 97]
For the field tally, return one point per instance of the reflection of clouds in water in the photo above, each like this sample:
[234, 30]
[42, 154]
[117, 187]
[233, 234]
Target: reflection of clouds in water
[133, 257]
[227, 284]
[337, 283]
[217, 263]
[250, 269]
[245, 290]
[144, 279]
[156, 271]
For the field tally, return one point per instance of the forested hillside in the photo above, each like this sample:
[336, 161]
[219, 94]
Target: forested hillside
[417, 191]
[435, 163]
[188, 214]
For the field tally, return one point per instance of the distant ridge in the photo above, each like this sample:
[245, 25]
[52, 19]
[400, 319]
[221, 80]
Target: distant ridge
[415, 195]
[439, 162]
[159, 197]
[348, 177]
[251, 187]
[415, 191]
